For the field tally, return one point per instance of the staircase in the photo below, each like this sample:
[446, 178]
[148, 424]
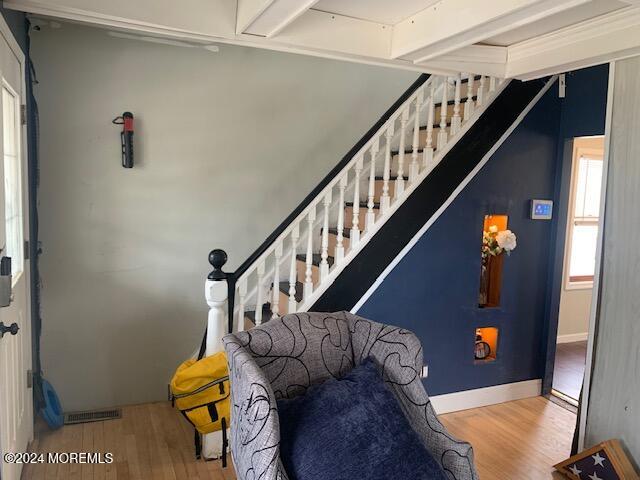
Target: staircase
[307, 253]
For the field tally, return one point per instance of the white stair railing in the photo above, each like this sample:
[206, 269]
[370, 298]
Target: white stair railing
[310, 253]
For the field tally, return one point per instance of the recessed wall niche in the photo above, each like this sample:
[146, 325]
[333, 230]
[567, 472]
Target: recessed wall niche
[491, 266]
[486, 344]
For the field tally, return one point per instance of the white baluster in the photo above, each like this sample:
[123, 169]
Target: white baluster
[259, 293]
[481, 90]
[275, 298]
[456, 120]
[354, 235]
[492, 84]
[371, 214]
[468, 106]
[414, 166]
[399, 189]
[442, 134]
[324, 255]
[242, 296]
[385, 199]
[339, 253]
[308, 274]
[293, 271]
[428, 148]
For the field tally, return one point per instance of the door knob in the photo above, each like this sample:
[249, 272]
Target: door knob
[12, 329]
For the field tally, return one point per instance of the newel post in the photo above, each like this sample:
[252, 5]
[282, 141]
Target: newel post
[216, 290]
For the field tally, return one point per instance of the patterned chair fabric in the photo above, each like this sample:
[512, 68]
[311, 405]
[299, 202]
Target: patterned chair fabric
[283, 357]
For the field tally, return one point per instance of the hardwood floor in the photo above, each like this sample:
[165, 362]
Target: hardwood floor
[568, 371]
[516, 440]
[150, 442]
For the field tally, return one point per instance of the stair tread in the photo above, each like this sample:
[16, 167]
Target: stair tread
[266, 313]
[346, 232]
[284, 288]
[376, 205]
[316, 258]
[392, 177]
[452, 102]
[406, 151]
[436, 125]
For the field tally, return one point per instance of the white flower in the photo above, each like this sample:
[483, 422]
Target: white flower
[493, 229]
[506, 240]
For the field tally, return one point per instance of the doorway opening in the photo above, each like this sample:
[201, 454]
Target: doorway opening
[583, 217]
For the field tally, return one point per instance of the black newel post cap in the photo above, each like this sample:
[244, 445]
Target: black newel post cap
[217, 258]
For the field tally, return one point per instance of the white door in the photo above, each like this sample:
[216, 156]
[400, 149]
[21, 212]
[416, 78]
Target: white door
[16, 405]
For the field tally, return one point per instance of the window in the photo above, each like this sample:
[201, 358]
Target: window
[12, 182]
[584, 213]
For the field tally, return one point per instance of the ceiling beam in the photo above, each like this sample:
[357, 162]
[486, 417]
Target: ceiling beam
[248, 11]
[609, 37]
[480, 59]
[453, 24]
[277, 15]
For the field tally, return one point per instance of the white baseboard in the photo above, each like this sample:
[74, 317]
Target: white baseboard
[481, 397]
[573, 337]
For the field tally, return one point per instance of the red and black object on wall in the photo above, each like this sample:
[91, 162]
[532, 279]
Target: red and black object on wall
[126, 137]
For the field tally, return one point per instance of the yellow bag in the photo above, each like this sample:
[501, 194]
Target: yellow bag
[200, 390]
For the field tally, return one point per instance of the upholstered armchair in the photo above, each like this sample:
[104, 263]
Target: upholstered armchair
[282, 358]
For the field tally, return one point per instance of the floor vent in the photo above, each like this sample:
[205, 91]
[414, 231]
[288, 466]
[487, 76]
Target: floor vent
[92, 416]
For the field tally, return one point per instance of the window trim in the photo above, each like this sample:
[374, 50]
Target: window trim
[583, 282]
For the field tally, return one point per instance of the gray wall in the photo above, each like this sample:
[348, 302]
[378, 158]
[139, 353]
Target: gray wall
[614, 407]
[227, 145]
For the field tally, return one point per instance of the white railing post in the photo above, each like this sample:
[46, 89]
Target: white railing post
[414, 166]
[481, 90]
[275, 297]
[293, 271]
[242, 296]
[216, 291]
[259, 292]
[456, 120]
[399, 187]
[308, 274]
[339, 253]
[384, 198]
[442, 134]
[324, 255]
[354, 235]
[492, 84]
[468, 106]
[428, 148]
[371, 215]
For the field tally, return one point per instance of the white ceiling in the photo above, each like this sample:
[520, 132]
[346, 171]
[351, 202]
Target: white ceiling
[388, 12]
[504, 38]
[552, 23]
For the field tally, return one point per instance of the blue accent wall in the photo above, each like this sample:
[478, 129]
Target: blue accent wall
[433, 291]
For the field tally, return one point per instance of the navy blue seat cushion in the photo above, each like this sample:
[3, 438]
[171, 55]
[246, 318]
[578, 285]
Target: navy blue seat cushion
[352, 428]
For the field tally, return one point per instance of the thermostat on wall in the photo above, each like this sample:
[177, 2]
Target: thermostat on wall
[541, 209]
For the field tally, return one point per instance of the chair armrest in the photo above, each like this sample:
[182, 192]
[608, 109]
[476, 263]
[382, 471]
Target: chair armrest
[399, 354]
[255, 429]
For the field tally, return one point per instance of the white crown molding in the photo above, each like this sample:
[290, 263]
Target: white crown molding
[610, 36]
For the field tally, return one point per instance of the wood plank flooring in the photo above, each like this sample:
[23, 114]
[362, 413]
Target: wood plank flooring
[516, 440]
[568, 371]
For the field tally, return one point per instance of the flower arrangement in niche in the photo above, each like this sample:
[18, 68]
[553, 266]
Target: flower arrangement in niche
[495, 242]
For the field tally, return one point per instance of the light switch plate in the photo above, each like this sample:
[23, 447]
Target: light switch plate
[425, 371]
